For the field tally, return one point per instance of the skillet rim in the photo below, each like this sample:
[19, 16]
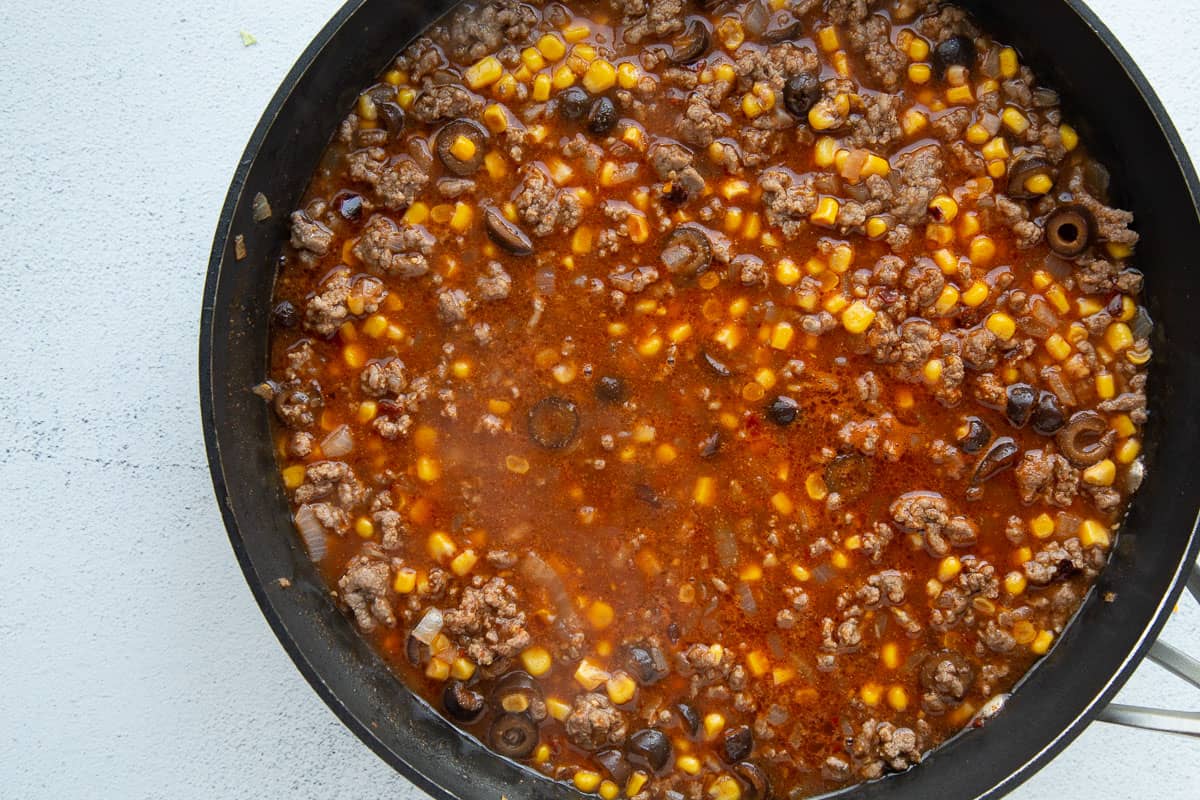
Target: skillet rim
[361, 728]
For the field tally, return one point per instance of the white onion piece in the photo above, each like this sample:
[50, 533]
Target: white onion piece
[312, 532]
[429, 627]
[338, 443]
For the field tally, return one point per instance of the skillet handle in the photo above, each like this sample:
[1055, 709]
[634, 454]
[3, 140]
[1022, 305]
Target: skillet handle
[1185, 723]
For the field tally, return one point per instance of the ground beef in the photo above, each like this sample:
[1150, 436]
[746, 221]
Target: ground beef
[880, 746]
[878, 126]
[594, 724]
[1056, 561]
[996, 638]
[330, 480]
[399, 182]
[924, 282]
[478, 29]
[364, 588]
[945, 21]
[882, 588]
[945, 676]
[789, 200]
[633, 280]
[928, 514]
[495, 285]
[776, 64]
[979, 349]
[949, 126]
[1016, 216]
[309, 235]
[384, 377]
[454, 305]
[871, 39]
[394, 250]
[673, 162]
[873, 437]
[487, 622]
[919, 180]
[393, 530]
[1112, 225]
[1048, 477]
[419, 59]
[455, 187]
[543, 207]
[445, 102]
[329, 308]
[654, 18]
[700, 123]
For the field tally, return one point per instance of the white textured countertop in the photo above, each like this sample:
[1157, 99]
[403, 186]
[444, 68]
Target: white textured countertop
[134, 661]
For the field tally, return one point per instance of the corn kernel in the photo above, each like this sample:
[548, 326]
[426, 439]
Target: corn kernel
[725, 787]
[1014, 120]
[996, 149]
[786, 272]
[609, 790]
[1070, 139]
[639, 228]
[704, 493]
[1118, 336]
[714, 723]
[783, 504]
[464, 562]
[947, 300]
[960, 95]
[1057, 298]
[839, 559]
[590, 675]
[1042, 642]
[585, 780]
[825, 151]
[948, 569]
[437, 669]
[354, 356]
[635, 783]
[1127, 451]
[1002, 325]
[440, 546]
[293, 476]
[405, 580]
[1014, 583]
[1009, 66]
[1123, 425]
[364, 527]
[650, 346]
[1102, 473]
[758, 663]
[943, 208]
[977, 134]
[897, 698]
[484, 72]
[976, 294]
[1042, 526]
[835, 303]
[919, 73]
[689, 764]
[782, 335]
[821, 118]
[997, 169]
[1093, 534]
[982, 251]
[1106, 386]
[562, 78]
[858, 317]
[871, 694]
[600, 76]
[933, 370]
[890, 655]
[620, 688]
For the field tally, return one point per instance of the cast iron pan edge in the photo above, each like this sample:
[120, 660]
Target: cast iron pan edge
[436, 778]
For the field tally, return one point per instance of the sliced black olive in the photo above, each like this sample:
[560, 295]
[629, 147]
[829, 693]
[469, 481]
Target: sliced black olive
[716, 366]
[783, 411]
[690, 718]
[711, 445]
[977, 436]
[1018, 405]
[505, 233]
[393, 116]
[462, 704]
[962, 670]
[513, 735]
[573, 103]
[349, 206]
[610, 389]
[516, 692]
[1069, 230]
[647, 664]
[553, 422]
[650, 748]
[448, 135]
[736, 744]
[1001, 456]
[615, 764]
[285, 314]
[1085, 439]
[800, 93]
[957, 51]
[416, 651]
[1024, 168]
[602, 116]
[1047, 415]
[687, 251]
[692, 44]
[849, 475]
[783, 27]
[757, 785]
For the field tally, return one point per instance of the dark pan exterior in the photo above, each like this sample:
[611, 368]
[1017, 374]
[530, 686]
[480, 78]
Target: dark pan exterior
[1118, 115]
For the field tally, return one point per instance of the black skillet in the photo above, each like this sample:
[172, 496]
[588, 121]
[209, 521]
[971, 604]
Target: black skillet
[1117, 114]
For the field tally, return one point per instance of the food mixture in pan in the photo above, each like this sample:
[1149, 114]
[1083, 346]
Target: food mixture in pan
[718, 400]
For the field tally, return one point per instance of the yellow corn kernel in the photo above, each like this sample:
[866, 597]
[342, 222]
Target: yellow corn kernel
[620, 688]
[858, 317]
[943, 208]
[665, 453]
[897, 698]
[1058, 347]
[1042, 526]
[577, 32]
[635, 783]
[438, 670]
[1070, 139]
[585, 780]
[1002, 325]
[1093, 534]
[1014, 583]
[440, 546]
[783, 504]
[406, 96]
[835, 303]
[532, 59]
[782, 335]
[1123, 425]
[948, 569]
[680, 332]
[460, 220]
[871, 694]
[639, 228]
[1039, 184]
[996, 149]
[786, 272]
[821, 118]
[628, 75]
[541, 87]
[842, 258]
[827, 212]
[484, 72]
[688, 764]
[839, 559]
[609, 790]
[1102, 473]
[704, 493]
[293, 476]
[464, 562]
[462, 669]
[1041, 279]
[650, 346]
[725, 787]
[877, 227]
[1009, 66]
[960, 95]
[758, 663]
[733, 219]
[425, 438]
[600, 614]
[889, 654]
[913, 122]
[405, 580]
[364, 527]
[933, 370]
[551, 47]
[919, 73]
[354, 355]
[1058, 298]
[1106, 386]
[997, 169]
[825, 151]
[982, 251]
[1127, 451]
[977, 134]
[947, 300]
[375, 325]
[428, 469]
[536, 660]
[495, 165]
[441, 213]
[1118, 336]
[581, 240]
[1042, 642]
[600, 76]
[563, 78]
[557, 709]
[714, 723]
[976, 294]
[1014, 120]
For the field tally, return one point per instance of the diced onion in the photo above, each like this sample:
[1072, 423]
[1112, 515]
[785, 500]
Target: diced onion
[338, 443]
[746, 599]
[429, 627]
[312, 532]
[727, 549]
[261, 207]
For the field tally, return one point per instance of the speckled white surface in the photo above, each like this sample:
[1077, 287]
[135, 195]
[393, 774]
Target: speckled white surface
[134, 661]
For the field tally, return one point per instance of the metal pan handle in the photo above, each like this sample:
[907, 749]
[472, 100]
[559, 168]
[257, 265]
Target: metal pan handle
[1186, 723]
